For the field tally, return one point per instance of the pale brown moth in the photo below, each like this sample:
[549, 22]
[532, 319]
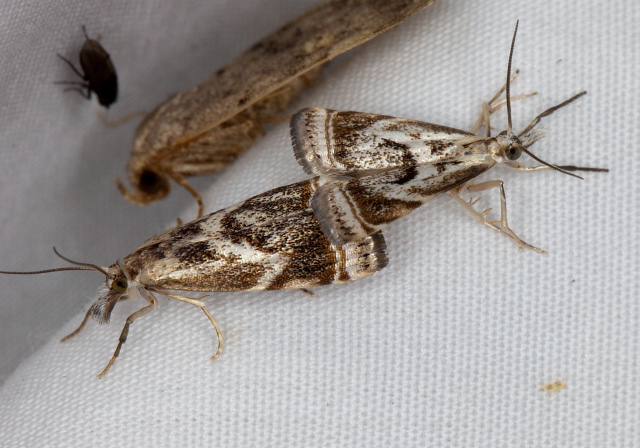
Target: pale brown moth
[375, 169]
[203, 130]
[271, 241]
[98, 72]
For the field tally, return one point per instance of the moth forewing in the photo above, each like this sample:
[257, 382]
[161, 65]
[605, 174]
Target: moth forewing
[353, 206]
[271, 241]
[328, 141]
[204, 129]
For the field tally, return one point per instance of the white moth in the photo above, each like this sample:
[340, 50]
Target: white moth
[375, 169]
[271, 241]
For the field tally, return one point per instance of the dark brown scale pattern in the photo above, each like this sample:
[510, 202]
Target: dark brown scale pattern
[449, 181]
[146, 255]
[347, 127]
[261, 209]
[247, 83]
[269, 226]
[239, 277]
[439, 147]
[312, 257]
[409, 174]
[195, 253]
[187, 231]
[376, 208]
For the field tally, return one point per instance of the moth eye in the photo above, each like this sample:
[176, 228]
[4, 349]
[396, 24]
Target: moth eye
[150, 181]
[513, 152]
[502, 134]
[119, 285]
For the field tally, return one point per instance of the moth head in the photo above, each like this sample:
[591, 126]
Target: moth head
[148, 185]
[116, 287]
[509, 145]
[152, 184]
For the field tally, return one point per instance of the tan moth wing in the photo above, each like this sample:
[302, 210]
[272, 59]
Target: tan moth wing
[270, 241]
[204, 129]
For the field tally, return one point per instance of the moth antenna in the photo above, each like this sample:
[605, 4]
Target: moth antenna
[508, 84]
[86, 267]
[89, 265]
[45, 271]
[583, 168]
[549, 112]
[555, 167]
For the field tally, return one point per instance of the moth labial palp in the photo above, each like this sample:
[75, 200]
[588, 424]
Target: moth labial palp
[374, 169]
[271, 241]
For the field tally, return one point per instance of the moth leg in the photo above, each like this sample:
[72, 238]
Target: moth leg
[199, 304]
[520, 167]
[488, 107]
[125, 330]
[79, 329]
[483, 119]
[481, 216]
[309, 292]
[501, 103]
[214, 322]
[180, 180]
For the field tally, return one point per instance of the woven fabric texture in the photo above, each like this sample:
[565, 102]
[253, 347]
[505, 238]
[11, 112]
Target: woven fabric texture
[448, 346]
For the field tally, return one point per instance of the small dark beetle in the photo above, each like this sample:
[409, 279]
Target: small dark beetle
[99, 73]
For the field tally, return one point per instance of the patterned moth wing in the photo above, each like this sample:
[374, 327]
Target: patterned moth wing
[354, 205]
[375, 169]
[204, 129]
[329, 141]
[268, 242]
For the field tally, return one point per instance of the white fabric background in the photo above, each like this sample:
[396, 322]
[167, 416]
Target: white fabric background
[447, 346]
